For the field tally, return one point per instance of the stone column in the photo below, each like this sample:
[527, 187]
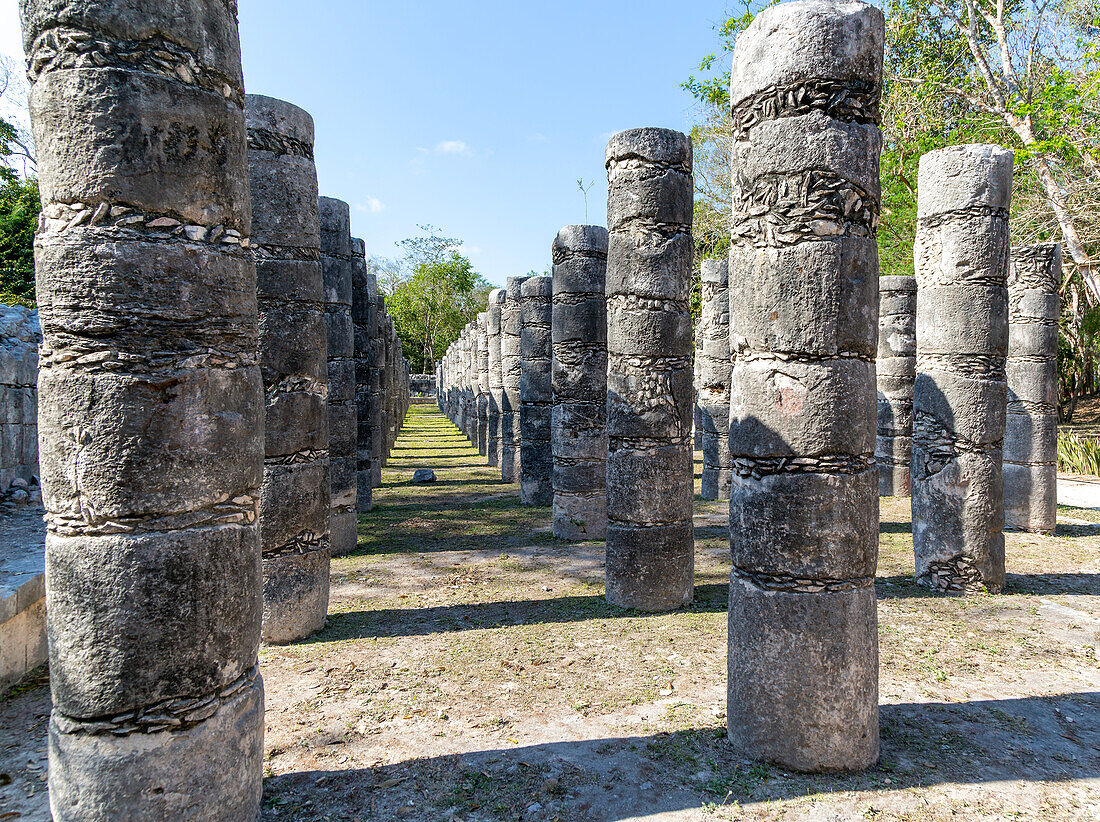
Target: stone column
[471, 382]
[511, 365]
[650, 476]
[536, 486]
[150, 410]
[338, 266]
[464, 360]
[378, 350]
[696, 408]
[445, 392]
[460, 388]
[897, 367]
[483, 383]
[959, 399]
[496, 378]
[803, 281]
[713, 357]
[362, 311]
[387, 387]
[294, 500]
[578, 430]
[1031, 433]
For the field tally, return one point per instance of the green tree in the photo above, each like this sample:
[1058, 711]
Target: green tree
[19, 207]
[19, 203]
[433, 291]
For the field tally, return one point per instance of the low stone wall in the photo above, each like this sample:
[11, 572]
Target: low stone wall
[22, 530]
[19, 338]
[22, 592]
[422, 384]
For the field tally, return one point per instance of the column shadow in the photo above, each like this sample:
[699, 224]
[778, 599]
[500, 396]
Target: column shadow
[1052, 739]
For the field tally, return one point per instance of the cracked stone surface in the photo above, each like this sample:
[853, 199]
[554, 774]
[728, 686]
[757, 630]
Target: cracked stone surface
[650, 550]
[803, 290]
[896, 369]
[150, 411]
[578, 427]
[959, 399]
[294, 498]
[536, 464]
[1030, 461]
[338, 264]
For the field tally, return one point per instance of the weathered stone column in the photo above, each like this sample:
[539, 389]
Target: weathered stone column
[338, 267]
[446, 385]
[377, 411]
[961, 254]
[362, 314]
[469, 380]
[483, 383]
[650, 482]
[387, 387]
[150, 411]
[496, 378]
[696, 408]
[803, 281]
[578, 431]
[460, 380]
[511, 365]
[294, 499]
[713, 357]
[1031, 433]
[536, 485]
[896, 365]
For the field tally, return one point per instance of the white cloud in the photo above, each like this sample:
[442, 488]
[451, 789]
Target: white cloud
[373, 205]
[538, 137]
[454, 147]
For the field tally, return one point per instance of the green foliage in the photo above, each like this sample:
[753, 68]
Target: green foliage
[1078, 455]
[19, 208]
[431, 307]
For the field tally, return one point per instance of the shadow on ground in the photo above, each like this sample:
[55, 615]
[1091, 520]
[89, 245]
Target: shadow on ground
[1036, 739]
[388, 622]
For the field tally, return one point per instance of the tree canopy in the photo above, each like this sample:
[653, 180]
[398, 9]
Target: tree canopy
[432, 293]
[19, 205]
[1021, 73]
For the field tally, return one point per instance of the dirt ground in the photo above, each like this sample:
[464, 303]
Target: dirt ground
[470, 670]
[1086, 418]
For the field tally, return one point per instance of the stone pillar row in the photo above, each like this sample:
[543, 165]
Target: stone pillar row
[220, 385]
[650, 536]
[217, 373]
[578, 427]
[295, 495]
[1031, 432]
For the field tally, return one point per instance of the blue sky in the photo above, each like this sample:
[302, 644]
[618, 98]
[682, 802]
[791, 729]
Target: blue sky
[475, 117]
